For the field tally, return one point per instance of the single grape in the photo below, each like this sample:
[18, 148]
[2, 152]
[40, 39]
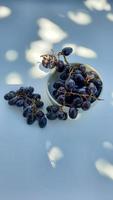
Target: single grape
[92, 89]
[60, 66]
[58, 84]
[9, 95]
[61, 99]
[54, 108]
[30, 89]
[62, 115]
[27, 111]
[39, 104]
[21, 90]
[98, 83]
[79, 80]
[55, 93]
[51, 116]
[67, 51]
[61, 90]
[73, 112]
[39, 114]
[42, 122]
[86, 105]
[31, 119]
[70, 84]
[36, 96]
[98, 91]
[82, 68]
[77, 102]
[64, 75]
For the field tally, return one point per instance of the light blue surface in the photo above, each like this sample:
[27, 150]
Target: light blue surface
[25, 169]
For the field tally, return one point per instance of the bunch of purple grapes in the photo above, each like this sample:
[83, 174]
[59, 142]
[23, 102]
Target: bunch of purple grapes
[75, 87]
[31, 104]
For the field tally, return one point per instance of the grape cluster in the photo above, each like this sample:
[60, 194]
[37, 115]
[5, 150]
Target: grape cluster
[30, 102]
[75, 86]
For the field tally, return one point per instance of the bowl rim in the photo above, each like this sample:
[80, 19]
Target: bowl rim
[54, 70]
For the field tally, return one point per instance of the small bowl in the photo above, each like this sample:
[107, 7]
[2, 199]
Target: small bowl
[54, 75]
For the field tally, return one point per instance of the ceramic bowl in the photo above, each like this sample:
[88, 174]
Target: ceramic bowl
[54, 75]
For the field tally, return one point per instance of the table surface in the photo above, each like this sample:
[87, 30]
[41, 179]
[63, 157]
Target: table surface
[66, 160]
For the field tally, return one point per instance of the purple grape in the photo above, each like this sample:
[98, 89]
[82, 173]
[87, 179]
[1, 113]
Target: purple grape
[42, 122]
[77, 102]
[61, 99]
[60, 66]
[70, 84]
[86, 105]
[9, 95]
[62, 115]
[67, 51]
[73, 112]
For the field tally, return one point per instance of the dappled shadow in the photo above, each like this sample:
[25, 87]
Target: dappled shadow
[98, 5]
[54, 153]
[104, 167]
[5, 12]
[80, 18]
[13, 78]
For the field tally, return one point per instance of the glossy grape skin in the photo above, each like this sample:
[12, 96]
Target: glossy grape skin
[61, 90]
[67, 51]
[55, 93]
[62, 115]
[98, 83]
[77, 102]
[13, 101]
[9, 95]
[86, 105]
[39, 104]
[30, 89]
[82, 68]
[92, 89]
[39, 114]
[60, 66]
[82, 90]
[21, 90]
[31, 119]
[27, 111]
[51, 116]
[61, 99]
[52, 108]
[42, 122]
[20, 102]
[73, 112]
[70, 84]
[58, 84]
[36, 96]
[79, 80]
[64, 76]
